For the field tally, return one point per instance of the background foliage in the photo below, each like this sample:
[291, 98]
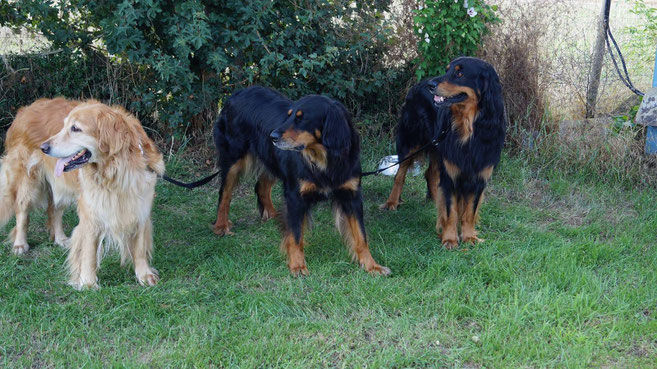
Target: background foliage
[449, 28]
[170, 62]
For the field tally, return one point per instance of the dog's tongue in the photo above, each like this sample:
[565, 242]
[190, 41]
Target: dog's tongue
[61, 163]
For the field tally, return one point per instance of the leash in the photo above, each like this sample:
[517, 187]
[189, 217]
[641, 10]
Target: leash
[435, 142]
[192, 185]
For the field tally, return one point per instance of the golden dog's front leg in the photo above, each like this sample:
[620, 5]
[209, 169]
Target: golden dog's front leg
[141, 249]
[82, 257]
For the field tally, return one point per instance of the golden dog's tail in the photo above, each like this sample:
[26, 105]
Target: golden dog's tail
[6, 198]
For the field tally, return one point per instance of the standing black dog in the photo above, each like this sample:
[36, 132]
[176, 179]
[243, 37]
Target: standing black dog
[419, 123]
[465, 111]
[469, 97]
[312, 147]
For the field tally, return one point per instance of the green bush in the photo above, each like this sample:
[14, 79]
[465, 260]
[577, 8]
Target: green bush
[195, 52]
[447, 29]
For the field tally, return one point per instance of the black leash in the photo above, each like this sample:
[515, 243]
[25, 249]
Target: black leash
[201, 182]
[198, 183]
[434, 142]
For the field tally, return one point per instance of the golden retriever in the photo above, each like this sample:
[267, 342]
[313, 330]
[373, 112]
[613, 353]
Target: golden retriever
[27, 176]
[118, 168]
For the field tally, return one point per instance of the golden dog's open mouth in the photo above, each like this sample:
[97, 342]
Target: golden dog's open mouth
[72, 162]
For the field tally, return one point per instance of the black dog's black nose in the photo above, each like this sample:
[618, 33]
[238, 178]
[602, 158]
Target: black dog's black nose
[45, 147]
[275, 135]
[433, 83]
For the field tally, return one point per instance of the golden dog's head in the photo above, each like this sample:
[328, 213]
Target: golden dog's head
[94, 133]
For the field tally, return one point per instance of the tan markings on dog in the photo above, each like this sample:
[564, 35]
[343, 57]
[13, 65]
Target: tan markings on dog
[395, 194]
[453, 171]
[222, 225]
[299, 113]
[432, 176]
[351, 185]
[263, 190]
[314, 153]
[457, 68]
[463, 113]
[447, 221]
[318, 133]
[293, 249]
[354, 234]
[486, 173]
[469, 217]
[306, 187]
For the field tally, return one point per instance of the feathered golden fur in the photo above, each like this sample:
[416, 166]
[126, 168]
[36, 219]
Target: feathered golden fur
[27, 179]
[118, 168]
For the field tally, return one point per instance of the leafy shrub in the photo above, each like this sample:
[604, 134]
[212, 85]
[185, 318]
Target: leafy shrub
[447, 29]
[192, 53]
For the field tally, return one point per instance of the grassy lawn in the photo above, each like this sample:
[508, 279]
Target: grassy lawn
[566, 278]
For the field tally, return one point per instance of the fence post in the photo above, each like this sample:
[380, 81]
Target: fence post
[598, 58]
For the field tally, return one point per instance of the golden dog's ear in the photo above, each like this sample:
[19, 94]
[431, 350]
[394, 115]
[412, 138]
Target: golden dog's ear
[154, 158]
[114, 133]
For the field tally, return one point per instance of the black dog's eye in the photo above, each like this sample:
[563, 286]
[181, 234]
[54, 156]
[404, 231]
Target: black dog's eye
[75, 129]
[459, 74]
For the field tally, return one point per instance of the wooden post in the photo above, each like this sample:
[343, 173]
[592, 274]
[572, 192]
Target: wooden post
[598, 57]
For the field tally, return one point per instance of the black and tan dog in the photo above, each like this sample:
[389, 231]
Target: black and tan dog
[465, 111]
[419, 123]
[469, 97]
[312, 147]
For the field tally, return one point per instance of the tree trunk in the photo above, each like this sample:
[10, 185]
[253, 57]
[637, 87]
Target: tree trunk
[596, 66]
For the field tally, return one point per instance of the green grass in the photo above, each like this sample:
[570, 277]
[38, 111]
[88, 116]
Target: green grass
[566, 278]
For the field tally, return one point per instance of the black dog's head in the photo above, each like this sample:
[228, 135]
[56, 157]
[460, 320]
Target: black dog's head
[467, 80]
[316, 126]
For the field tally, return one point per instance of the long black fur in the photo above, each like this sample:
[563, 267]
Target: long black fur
[419, 123]
[254, 117]
[484, 147]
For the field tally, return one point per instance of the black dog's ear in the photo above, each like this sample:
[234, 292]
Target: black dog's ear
[336, 133]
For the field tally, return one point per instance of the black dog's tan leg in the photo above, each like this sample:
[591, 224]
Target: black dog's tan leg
[222, 225]
[293, 248]
[432, 175]
[469, 217]
[263, 192]
[350, 223]
[292, 244]
[395, 194]
[447, 219]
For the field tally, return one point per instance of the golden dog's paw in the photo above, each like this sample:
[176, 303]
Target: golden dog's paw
[377, 269]
[389, 205]
[63, 242]
[299, 270]
[82, 285]
[149, 278]
[450, 243]
[222, 229]
[20, 249]
[473, 240]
